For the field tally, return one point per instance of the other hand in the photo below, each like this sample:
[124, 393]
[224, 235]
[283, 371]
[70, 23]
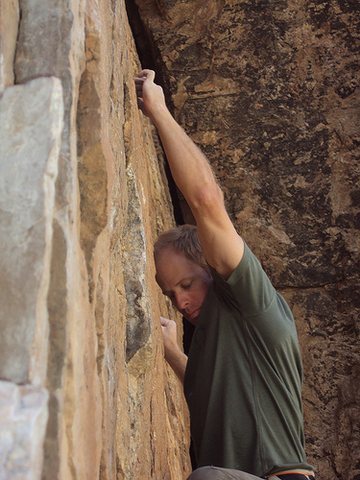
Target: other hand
[169, 332]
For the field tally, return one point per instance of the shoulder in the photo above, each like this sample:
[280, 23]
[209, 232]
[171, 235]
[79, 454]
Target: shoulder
[248, 284]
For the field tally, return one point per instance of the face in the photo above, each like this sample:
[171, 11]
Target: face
[183, 281]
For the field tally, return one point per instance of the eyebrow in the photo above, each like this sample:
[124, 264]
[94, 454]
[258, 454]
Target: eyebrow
[168, 292]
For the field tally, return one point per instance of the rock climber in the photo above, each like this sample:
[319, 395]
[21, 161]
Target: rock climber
[243, 374]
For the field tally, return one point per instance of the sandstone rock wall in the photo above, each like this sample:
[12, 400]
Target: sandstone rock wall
[84, 390]
[270, 91]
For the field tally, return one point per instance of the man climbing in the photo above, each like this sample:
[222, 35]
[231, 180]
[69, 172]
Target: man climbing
[242, 378]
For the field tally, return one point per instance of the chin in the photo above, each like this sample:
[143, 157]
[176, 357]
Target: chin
[193, 320]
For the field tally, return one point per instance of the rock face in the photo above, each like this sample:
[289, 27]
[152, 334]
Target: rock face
[23, 416]
[31, 118]
[269, 91]
[9, 20]
[86, 391]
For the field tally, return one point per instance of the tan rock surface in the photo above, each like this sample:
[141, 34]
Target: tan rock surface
[115, 410]
[9, 20]
[123, 207]
[269, 90]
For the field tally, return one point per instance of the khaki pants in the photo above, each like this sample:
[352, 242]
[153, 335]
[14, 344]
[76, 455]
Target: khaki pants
[217, 473]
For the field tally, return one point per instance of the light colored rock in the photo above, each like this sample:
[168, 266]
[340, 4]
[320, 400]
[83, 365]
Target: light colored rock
[9, 19]
[30, 138]
[23, 416]
[115, 409]
[51, 42]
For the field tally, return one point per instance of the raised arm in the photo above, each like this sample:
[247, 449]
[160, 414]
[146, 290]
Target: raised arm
[222, 246]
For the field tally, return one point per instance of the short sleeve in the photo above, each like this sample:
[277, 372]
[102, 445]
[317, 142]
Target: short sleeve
[248, 285]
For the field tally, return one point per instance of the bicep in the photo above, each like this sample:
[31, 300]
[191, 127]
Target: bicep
[223, 247]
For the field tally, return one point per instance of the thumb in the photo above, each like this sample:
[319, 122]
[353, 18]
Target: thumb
[164, 321]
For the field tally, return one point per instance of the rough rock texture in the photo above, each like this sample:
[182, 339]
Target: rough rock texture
[30, 136]
[269, 90]
[23, 416]
[9, 19]
[115, 410]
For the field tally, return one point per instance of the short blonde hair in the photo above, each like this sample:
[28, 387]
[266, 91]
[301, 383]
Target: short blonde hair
[183, 239]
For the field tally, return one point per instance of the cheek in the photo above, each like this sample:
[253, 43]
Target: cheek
[202, 292]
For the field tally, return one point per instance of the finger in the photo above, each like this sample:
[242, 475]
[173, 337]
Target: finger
[148, 74]
[139, 81]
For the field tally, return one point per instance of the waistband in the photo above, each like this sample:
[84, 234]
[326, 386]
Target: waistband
[293, 475]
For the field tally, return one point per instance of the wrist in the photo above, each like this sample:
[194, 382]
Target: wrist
[173, 351]
[160, 115]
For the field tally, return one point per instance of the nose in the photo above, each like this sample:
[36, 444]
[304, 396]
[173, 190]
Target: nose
[181, 301]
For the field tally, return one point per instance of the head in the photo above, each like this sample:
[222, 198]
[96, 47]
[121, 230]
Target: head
[181, 269]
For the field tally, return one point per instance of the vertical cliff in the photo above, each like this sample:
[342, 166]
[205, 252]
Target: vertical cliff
[270, 92]
[84, 390]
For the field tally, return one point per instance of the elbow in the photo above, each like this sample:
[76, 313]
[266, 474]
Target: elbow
[208, 198]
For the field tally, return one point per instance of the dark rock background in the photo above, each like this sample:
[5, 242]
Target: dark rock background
[269, 91]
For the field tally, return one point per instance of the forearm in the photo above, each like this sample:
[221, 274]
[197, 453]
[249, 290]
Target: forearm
[189, 167]
[222, 246]
[177, 361]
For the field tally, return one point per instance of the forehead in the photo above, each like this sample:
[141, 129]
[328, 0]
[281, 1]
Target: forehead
[172, 267]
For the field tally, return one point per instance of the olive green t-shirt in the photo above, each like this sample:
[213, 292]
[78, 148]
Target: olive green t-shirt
[243, 377]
